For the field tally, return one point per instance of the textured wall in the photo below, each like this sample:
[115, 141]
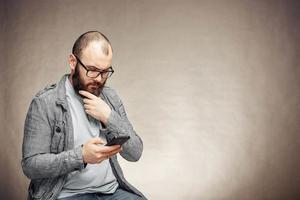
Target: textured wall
[211, 86]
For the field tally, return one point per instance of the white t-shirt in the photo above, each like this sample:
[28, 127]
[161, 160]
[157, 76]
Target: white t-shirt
[95, 177]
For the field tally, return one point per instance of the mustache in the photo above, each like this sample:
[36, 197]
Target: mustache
[97, 84]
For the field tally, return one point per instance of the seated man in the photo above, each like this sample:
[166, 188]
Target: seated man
[67, 126]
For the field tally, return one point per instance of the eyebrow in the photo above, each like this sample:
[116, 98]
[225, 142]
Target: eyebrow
[93, 68]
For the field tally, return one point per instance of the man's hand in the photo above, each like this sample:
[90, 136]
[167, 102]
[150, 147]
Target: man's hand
[95, 107]
[95, 153]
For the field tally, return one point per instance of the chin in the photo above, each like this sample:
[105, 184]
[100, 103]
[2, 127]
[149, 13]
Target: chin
[95, 92]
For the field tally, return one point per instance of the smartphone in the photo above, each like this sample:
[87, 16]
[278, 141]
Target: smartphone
[117, 140]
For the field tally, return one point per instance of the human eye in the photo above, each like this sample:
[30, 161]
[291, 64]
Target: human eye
[94, 69]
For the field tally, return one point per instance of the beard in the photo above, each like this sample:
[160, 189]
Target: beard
[93, 86]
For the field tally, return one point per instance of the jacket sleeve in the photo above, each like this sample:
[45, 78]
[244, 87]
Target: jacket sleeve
[118, 124]
[37, 160]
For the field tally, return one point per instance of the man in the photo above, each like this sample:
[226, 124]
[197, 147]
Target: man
[68, 125]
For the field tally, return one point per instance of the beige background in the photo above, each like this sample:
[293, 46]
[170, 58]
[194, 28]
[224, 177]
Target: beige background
[211, 86]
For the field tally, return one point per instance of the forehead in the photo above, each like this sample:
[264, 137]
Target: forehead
[98, 54]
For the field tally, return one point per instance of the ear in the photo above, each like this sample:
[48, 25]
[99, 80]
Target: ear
[72, 62]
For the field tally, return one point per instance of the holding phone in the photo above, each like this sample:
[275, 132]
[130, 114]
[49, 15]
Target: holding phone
[117, 140]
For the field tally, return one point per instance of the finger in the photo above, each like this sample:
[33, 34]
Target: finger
[88, 107]
[114, 152]
[96, 140]
[115, 146]
[118, 149]
[107, 149]
[87, 94]
[88, 101]
[102, 158]
[90, 112]
[105, 156]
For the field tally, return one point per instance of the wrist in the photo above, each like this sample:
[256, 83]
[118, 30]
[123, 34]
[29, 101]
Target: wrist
[83, 153]
[106, 116]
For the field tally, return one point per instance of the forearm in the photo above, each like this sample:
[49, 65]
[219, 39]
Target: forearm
[133, 148]
[52, 165]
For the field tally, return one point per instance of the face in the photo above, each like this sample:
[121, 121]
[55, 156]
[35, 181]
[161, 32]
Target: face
[93, 58]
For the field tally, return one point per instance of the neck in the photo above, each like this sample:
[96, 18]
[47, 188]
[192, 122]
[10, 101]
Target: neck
[70, 79]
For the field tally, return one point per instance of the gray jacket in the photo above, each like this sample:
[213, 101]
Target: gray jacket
[49, 153]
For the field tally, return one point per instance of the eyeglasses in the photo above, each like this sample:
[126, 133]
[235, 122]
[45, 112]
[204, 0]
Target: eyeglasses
[95, 73]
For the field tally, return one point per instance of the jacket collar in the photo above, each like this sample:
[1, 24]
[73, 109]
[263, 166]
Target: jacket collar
[61, 92]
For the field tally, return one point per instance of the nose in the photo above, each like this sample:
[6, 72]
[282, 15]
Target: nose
[98, 78]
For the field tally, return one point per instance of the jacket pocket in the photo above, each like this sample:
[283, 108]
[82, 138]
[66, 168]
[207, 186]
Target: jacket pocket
[57, 141]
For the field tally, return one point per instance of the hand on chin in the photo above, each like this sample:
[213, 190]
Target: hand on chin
[95, 106]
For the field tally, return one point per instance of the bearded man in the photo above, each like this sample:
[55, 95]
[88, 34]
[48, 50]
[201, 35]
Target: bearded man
[68, 125]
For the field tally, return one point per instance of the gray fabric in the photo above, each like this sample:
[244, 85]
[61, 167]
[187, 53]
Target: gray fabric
[95, 177]
[118, 195]
[49, 153]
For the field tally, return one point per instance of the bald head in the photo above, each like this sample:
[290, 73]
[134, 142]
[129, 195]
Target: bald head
[91, 36]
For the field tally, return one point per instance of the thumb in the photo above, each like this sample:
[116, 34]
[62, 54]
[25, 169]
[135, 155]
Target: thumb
[97, 140]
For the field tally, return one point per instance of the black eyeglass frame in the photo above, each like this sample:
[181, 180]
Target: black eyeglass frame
[109, 70]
